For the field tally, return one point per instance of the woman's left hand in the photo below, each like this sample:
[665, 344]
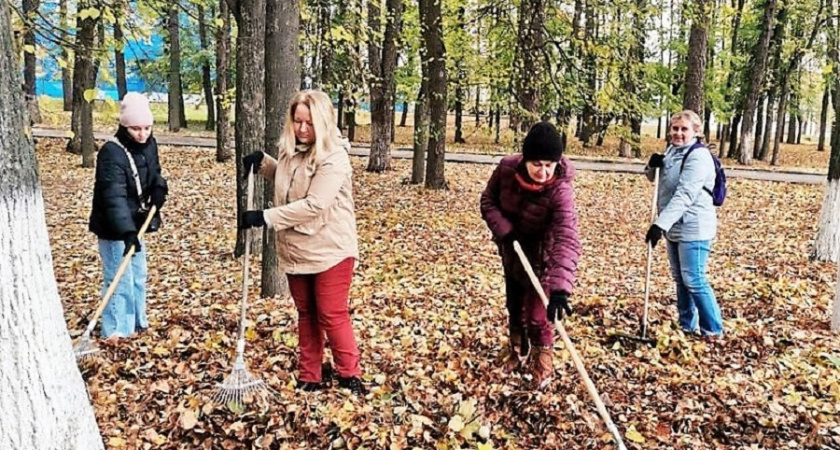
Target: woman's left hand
[251, 219]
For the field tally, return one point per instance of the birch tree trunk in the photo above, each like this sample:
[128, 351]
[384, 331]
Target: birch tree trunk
[43, 402]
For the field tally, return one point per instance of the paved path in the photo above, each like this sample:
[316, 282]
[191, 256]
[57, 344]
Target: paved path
[581, 163]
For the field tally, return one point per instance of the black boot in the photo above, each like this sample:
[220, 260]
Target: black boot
[353, 384]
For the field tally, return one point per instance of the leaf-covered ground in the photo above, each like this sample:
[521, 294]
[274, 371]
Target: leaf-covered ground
[428, 310]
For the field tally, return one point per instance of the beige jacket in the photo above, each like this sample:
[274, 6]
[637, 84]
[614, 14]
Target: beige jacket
[314, 220]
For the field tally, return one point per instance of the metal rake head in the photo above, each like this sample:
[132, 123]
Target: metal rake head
[85, 348]
[240, 385]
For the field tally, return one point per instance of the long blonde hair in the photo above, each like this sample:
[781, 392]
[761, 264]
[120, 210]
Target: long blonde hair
[323, 123]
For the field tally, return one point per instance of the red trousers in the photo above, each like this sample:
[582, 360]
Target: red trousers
[322, 303]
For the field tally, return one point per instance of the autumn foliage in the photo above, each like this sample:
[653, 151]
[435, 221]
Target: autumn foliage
[428, 308]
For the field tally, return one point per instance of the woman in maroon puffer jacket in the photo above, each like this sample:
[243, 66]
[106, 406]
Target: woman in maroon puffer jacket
[530, 199]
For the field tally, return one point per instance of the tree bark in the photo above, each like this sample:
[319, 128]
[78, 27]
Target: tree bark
[768, 128]
[431, 20]
[206, 77]
[43, 402]
[281, 77]
[30, 66]
[759, 126]
[119, 55]
[250, 99]
[756, 77]
[527, 70]
[727, 96]
[173, 28]
[696, 64]
[823, 119]
[84, 79]
[421, 124]
[66, 70]
[223, 152]
[383, 62]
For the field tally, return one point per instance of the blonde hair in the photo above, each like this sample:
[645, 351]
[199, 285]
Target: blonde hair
[323, 123]
[691, 117]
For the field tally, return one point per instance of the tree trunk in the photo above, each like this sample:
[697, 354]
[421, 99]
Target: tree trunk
[768, 128]
[477, 106]
[421, 123]
[404, 116]
[119, 55]
[173, 28]
[733, 135]
[66, 71]
[696, 64]
[43, 402]
[281, 76]
[383, 63]
[756, 77]
[250, 101]
[498, 124]
[206, 77]
[792, 121]
[823, 119]
[182, 111]
[84, 80]
[223, 153]
[780, 117]
[30, 66]
[528, 69]
[431, 20]
[759, 127]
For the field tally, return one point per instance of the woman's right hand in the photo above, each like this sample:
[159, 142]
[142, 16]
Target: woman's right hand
[253, 162]
[656, 160]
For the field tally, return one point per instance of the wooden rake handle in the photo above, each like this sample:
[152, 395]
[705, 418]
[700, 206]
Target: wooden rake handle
[590, 386]
[123, 266]
[650, 253]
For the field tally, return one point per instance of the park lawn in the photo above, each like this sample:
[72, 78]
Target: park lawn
[428, 310]
[480, 139]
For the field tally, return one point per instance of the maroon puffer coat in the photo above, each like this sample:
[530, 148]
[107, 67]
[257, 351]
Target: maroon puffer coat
[545, 217]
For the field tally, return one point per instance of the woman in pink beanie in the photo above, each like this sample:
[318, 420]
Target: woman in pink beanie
[128, 182]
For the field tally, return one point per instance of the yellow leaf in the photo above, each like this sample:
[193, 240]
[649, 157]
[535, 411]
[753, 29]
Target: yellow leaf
[634, 435]
[484, 446]
[29, 49]
[117, 442]
[188, 419]
[90, 94]
[456, 423]
[348, 406]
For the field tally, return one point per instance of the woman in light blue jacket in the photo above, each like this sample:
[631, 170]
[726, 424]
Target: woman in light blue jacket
[688, 220]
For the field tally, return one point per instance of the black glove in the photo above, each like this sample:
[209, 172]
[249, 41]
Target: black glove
[656, 160]
[250, 219]
[654, 234]
[253, 162]
[512, 236]
[557, 303]
[130, 239]
[158, 197]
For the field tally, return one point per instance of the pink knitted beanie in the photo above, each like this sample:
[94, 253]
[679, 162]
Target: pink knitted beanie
[135, 111]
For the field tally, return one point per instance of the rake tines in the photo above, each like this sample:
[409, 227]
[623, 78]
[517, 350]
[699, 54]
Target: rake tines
[239, 385]
[85, 348]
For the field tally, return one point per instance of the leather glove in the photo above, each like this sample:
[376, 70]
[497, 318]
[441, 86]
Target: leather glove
[253, 162]
[654, 234]
[130, 240]
[158, 197]
[656, 160]
[557, 303]
[251, 219]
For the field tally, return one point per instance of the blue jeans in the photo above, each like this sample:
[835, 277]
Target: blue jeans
[695, 300]
[126, 310]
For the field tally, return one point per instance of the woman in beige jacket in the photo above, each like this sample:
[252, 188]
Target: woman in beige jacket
[315, 229]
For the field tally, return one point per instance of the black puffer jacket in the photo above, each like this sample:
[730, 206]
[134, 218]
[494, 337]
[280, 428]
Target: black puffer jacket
[115, 198]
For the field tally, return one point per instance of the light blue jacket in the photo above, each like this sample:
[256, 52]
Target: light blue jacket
[685, 208]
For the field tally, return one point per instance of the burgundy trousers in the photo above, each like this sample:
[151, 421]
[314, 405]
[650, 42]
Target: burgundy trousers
[322, 303]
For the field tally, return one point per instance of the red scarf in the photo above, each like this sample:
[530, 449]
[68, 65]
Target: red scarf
[531, 186]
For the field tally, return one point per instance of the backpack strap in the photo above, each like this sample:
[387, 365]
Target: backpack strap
[697, 144]
[133, 166]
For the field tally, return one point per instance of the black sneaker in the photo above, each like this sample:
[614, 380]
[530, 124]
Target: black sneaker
[308, 386]
[353, 384]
